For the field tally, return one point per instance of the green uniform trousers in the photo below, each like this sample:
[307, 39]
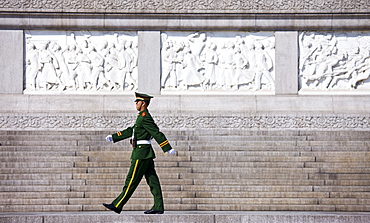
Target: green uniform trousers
[138, 169]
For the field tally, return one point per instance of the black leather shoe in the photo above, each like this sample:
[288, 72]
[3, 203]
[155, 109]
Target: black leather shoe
[153, 212]
[112, 208]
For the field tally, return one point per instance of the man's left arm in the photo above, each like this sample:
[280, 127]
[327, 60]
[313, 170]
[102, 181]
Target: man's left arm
[160, 138]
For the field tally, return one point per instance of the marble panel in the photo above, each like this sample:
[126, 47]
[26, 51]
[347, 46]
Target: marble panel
[334, 61]
[218, 62]
[80, 61]
[11, 61]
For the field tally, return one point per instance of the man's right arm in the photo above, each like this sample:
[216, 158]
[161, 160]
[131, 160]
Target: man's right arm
[124, 134]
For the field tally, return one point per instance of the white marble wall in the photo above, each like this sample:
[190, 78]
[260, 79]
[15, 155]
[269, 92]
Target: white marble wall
[58, 61]
[334, 60]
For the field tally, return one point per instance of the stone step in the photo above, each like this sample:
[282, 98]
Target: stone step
[189, 216]
[251, 201]
[237, 165]
[242, 153]
[209, 147]
[44, 159]
[345, 194]
[110, 154]
[356, 154]
[248, 171]
[40, 208]
[341, 188]
[255, 207]
[340, 165]
[118, 188]
[359, 143]
[235, 176]
[36, 153]
[142, 208]
[36, 176]
[41, 182]
[140, 194]
[109, 157]
[117, 175]
[124, 163]
[42, 170]
[339, 176]
[133, 200]
[268, 194]
[39, 148]
[37, 188]
[39, 194]
[164, 181]
[183, 138]
[42, 143]
[159, 170]
[253, 188]
[251, 182]
[44, 164]
[252, 159]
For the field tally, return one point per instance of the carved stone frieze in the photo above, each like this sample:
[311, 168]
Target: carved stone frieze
[113, 121]
[334, 60]
[228, 6]
[218, 61]
[81, 61]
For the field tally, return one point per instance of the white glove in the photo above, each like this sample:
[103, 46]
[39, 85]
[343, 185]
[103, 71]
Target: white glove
[109, 138]
[171, 152]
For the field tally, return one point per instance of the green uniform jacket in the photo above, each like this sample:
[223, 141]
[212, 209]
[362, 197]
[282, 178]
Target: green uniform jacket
[144, 129]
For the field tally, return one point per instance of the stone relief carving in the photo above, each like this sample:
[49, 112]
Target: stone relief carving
[81, 61]
[180, 5]
[104, 122]
[222, 61]
[331, 61]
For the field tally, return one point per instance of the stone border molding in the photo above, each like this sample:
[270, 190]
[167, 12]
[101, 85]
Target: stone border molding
[191, 6]
[254, 121]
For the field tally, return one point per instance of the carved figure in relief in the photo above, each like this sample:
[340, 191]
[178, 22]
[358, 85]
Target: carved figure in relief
[112, 68]
[97, 64]
[210, 60]
[241, 68]
[264, 64]
[197, 44]
[362, 70]
[175, 76]
[230, 78]
[83, 71]
[32, 61]
[192, 69]
[70, 57]
[167, 54]
[62, 72]
[131, 78]
[48, 64]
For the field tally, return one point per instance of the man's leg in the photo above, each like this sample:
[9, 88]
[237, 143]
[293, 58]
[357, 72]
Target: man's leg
[134, 176]
[155, 186]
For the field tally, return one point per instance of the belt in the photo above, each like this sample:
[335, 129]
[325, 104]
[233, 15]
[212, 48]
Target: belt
[143, 142]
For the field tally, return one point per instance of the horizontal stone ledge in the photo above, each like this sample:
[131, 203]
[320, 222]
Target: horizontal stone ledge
[188, 216]
[183, 21]
[173, 6]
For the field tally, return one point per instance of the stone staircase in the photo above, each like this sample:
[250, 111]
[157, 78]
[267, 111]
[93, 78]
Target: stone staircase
[214, 169]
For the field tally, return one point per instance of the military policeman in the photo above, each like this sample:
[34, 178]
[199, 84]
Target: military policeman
[142, 156]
